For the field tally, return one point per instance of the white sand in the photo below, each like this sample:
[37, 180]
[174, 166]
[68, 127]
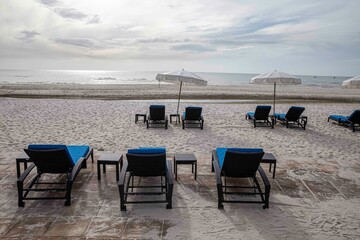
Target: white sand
[315, 194]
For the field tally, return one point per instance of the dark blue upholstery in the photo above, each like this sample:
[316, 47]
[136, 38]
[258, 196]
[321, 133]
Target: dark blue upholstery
[146, 150]
[190, 109]
[280, 116]
[75, 152]
[339, 118]
[221, 152]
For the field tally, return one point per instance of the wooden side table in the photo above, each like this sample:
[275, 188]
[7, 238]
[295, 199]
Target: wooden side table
[138, 115]
[109, 159]
[269, 158]
[176, 116]
[188, 158]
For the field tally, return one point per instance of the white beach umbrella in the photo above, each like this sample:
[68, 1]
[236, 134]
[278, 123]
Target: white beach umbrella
[275, 77]
[181, 76]
[351, 83]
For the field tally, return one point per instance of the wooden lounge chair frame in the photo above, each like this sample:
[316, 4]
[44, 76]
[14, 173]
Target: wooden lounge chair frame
[293, 118]
[156, 116]
[261, 115]
[143, 168]
[61, 165]
[193, 116]
[222, 187]
[352, 121]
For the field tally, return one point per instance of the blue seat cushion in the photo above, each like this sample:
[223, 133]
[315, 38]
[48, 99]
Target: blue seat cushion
[148, 150]
[280, 116]
[250, 114]
[339, 118]
[221, 152]
[75, 152]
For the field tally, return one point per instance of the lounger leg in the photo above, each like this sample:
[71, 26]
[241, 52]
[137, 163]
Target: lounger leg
[166, 124]
[202, 125]
[68, 193]
[267, 196]
[183, 124]
[20, 187]
[169, 196]
[122, 197]
[147, 124]
[254, 123]
[220, 196]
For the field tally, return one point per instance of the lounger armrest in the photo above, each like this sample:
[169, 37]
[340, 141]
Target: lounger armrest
[76, 169]
[263, 176]
[169, 173]
[123, 172]
[26, 173]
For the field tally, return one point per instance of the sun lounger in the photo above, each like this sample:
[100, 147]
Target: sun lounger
[261, 115]
[240, 163]
[192, 116]
[145, 162]
[157, 116]
[353, 120]
[292, 117]
[52, 159]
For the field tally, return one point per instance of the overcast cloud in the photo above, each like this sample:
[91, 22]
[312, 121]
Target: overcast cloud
[300, 37]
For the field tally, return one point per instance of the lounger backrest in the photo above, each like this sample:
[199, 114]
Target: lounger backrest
[157, 112]
[193, 113]
[50, 161]
[146, 165]
[241, 164]
[262, 112]
[294, 113]
[355, 117]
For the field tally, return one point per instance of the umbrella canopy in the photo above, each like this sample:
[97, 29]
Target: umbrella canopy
[275, 77]
[180, 77]
[351, 83]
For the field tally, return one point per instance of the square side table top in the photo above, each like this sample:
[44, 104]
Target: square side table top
[110, 157]
[185, 157]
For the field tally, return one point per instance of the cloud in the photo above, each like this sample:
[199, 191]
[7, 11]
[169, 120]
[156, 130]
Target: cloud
[70, 13]
[27, 35]
[192, 48]
[80, 42]
[50, 3]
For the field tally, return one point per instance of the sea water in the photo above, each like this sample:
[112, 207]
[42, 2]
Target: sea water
[141, 77]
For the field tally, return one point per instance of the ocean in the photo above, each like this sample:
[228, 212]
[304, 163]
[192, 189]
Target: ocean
[140, 77]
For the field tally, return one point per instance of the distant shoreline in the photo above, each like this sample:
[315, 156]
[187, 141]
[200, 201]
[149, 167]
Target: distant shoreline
[169, 91]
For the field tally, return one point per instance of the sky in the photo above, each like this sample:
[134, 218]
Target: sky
[311, 37]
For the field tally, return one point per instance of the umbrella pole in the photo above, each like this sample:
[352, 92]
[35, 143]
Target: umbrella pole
[177, 111]
[274, 97]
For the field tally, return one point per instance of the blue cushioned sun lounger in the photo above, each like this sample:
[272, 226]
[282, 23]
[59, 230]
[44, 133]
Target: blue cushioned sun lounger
[292, 117]
[192, 117]
[261, 115]
[353, 120]
[240, 163]
[52, 159]
[145, 162]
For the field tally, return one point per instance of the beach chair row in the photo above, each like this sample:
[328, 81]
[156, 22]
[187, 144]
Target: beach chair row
[294, 117]
[192, 116]
[68, 160]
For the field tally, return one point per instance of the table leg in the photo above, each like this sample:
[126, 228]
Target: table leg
[104, 168]
[195, 170]
[175, 171]
[117, 172]
[274, 170]
[98, 171]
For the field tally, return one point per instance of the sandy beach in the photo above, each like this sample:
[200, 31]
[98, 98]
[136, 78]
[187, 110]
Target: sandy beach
[315, 194]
